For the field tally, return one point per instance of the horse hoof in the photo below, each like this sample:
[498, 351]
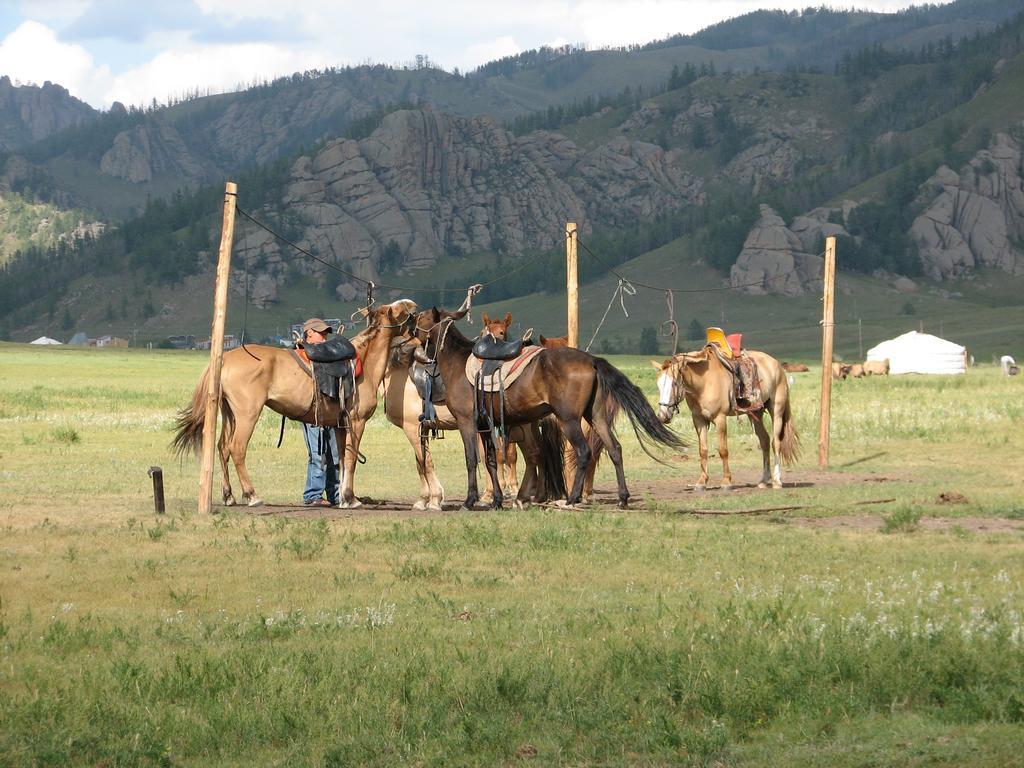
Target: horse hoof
[353, 504]
[700, 488]
[434, 508]
[517, 504]
[254, 502]
[420, 505]
[229, 501]
[623, 504]
[776, 486]
[762, 484]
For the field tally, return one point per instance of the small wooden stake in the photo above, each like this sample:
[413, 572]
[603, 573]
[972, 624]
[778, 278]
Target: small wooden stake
[572, 287]
[827, 328]
[220, 311]
[158, 489]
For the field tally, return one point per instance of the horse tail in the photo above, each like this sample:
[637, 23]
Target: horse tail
[189, 435]
[552, 458]
[613, 385]
[789, 446]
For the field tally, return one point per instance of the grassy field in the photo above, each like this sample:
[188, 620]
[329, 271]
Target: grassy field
[837, 633]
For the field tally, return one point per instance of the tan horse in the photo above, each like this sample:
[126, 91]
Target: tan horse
[705, 384]
[271, 377]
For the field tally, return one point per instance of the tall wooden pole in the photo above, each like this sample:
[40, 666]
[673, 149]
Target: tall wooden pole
[220, 311]
[827, 328]
[572, 287]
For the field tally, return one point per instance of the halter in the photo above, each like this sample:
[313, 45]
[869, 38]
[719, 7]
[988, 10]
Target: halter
[673, 408]
[447, 323]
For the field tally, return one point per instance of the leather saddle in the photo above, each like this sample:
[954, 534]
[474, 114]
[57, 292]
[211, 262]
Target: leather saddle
[334, 368]
[494, 352]
[746, 391]
[430, 387]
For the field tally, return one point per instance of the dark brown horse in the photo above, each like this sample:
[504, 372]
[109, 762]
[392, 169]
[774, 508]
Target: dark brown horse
[567, 383]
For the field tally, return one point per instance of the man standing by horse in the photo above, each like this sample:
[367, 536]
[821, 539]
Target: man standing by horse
[321, 442]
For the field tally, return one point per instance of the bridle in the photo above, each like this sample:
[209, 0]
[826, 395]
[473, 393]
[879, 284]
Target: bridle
[416, 331]
[677, 392]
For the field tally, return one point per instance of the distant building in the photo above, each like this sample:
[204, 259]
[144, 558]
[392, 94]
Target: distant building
[230, 342]
[111, 341]
[184, 341]
[80, 339]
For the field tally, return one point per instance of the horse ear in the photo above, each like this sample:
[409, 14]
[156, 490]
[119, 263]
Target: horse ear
[508, 319]
[484, 319]
[654, 363]
[542, 339]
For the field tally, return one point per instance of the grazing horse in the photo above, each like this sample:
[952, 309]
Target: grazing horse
[706, 384]
[258, 376]
[567, 383]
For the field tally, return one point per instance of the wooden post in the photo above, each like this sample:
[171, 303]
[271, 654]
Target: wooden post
[572, 287]
[827, 328]
[157, 474]
[220, 310]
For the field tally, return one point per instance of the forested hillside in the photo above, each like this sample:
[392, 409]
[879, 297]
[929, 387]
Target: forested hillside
[391, 172]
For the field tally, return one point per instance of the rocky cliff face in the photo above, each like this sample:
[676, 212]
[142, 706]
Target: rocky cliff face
[431, 183]
[29, 113]
[776, 259]
[150, 150]
[974, 217]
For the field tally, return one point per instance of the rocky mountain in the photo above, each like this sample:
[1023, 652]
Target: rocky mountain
[427, 183]
[31, 113]
[379, 169]
[775, 259]
[975, 217]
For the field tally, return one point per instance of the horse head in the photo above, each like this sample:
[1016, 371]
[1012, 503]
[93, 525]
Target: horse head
[497, 328]
[672, 380]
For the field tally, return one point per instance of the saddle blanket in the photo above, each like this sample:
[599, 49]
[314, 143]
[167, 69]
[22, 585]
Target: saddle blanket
[510, 369]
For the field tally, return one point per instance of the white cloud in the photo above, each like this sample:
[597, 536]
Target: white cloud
[214, 67]
[480, 53]
[33, 54]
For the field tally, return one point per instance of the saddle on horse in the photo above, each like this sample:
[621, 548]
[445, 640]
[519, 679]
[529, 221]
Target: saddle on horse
[430, 387]
[334, 367]
[745, 395]
[492, 368]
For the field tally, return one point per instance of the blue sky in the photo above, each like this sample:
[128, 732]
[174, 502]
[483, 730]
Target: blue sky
[106, 50]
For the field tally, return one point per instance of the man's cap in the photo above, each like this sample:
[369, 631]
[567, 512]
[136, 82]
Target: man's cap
[316, 324]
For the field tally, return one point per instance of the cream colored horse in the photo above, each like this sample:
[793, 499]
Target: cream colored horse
[705, 384]
[403, 406]
[271, 377]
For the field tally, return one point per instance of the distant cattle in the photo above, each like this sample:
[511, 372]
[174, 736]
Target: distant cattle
[1008, 363]
[795, 368]
[876, 367]
[840, 370]
[857, 371]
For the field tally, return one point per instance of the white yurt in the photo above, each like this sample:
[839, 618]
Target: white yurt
[45, 340]
[915, 352]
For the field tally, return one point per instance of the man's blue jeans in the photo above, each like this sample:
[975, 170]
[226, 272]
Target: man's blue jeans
[322, 469]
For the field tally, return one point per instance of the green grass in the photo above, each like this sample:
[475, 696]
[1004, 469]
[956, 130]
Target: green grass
[590, 637]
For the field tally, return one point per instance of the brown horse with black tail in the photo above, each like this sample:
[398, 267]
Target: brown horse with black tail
[567, 383]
